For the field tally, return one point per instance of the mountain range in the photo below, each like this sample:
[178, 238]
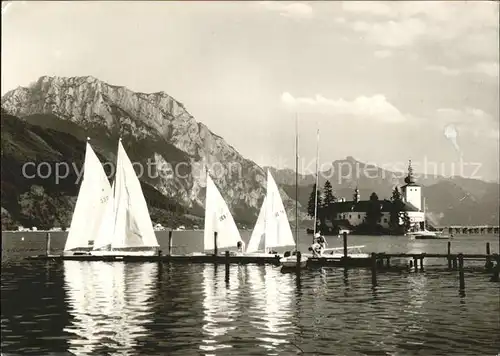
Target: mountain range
[50, 121]
[449, 200]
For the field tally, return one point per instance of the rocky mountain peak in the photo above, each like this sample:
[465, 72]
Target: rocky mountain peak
[154, 125]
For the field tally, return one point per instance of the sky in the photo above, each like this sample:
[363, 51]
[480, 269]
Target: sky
[383, 82]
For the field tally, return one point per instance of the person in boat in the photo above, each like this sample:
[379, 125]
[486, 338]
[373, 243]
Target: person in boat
[241, 246]
[315, 248]
[320, 239]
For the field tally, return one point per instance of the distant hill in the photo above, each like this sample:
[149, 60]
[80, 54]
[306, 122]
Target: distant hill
[450, 201]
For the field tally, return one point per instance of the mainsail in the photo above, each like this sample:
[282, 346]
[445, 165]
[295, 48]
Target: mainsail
[127, 223]
[272, 228]
[218, 218]
[91, 203]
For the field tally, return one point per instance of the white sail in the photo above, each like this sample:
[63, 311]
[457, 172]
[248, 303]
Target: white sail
[218, 218]
[272, 225]
[257, 239]
[90, 204]
[133, 226]
[284, 236]
[105, 233]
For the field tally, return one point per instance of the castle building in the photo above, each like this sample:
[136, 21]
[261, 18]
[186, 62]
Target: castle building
[354, 212]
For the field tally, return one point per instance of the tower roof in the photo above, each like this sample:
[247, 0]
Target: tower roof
[410, 180]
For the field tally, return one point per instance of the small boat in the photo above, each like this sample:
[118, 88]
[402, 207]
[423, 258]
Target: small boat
[126, 228]
[289, 260]
[90, 207]
[338, 252]
[218, 218]
[272, 229]
[426, 234]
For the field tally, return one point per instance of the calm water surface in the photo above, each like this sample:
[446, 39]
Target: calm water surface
[120, 308]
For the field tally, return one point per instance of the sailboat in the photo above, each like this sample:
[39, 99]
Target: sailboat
[91, 203]
[426, 234]
[218, 218]
[272, 228]
[291, 260]
[126, 228]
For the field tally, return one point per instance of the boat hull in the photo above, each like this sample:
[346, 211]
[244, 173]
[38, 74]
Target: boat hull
[430, 237]
[291, 262]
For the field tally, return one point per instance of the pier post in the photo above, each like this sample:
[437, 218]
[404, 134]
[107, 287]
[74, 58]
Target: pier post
[489, 263]
[388, 259]
[415, 263]
[455, 263]
[449, 255]
[227, 266]
[374, 269]
[47, 244]
[421, 263]
[461, 271]
[170, 242]
[344, 235]
[299, 258]
[496, 271]
[215, 243]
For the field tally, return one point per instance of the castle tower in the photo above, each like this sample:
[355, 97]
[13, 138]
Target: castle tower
[356, 195]
[412, 192]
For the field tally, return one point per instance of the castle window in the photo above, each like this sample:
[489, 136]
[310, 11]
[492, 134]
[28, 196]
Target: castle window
[349, 216]
[385, 220]
[359, 216]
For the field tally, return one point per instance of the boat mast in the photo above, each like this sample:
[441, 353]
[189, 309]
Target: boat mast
[316, 191]
[296, 182]
[425, 225]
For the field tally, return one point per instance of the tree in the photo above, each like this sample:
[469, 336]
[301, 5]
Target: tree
[328, 197]
[311, 202]
[397, 206]
[398, 220]
[327, 208]
[374, 211]
[406, 221]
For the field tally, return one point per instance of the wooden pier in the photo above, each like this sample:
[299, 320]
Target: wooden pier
[375, 261]
[470, 230]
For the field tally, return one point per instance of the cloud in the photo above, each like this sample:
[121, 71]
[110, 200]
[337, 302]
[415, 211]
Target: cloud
[489, 69]
[294, 10]
[470, 27]
[372, 7]
[469, 121]
[391, 33]
[382, 53]
[375, 107]
[443, 70]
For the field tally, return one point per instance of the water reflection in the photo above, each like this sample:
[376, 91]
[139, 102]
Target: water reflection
[109, 304]
[220, 300]
[272, 294]
[415, 310]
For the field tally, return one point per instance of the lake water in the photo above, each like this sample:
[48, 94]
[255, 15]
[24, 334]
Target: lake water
[172, 309]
